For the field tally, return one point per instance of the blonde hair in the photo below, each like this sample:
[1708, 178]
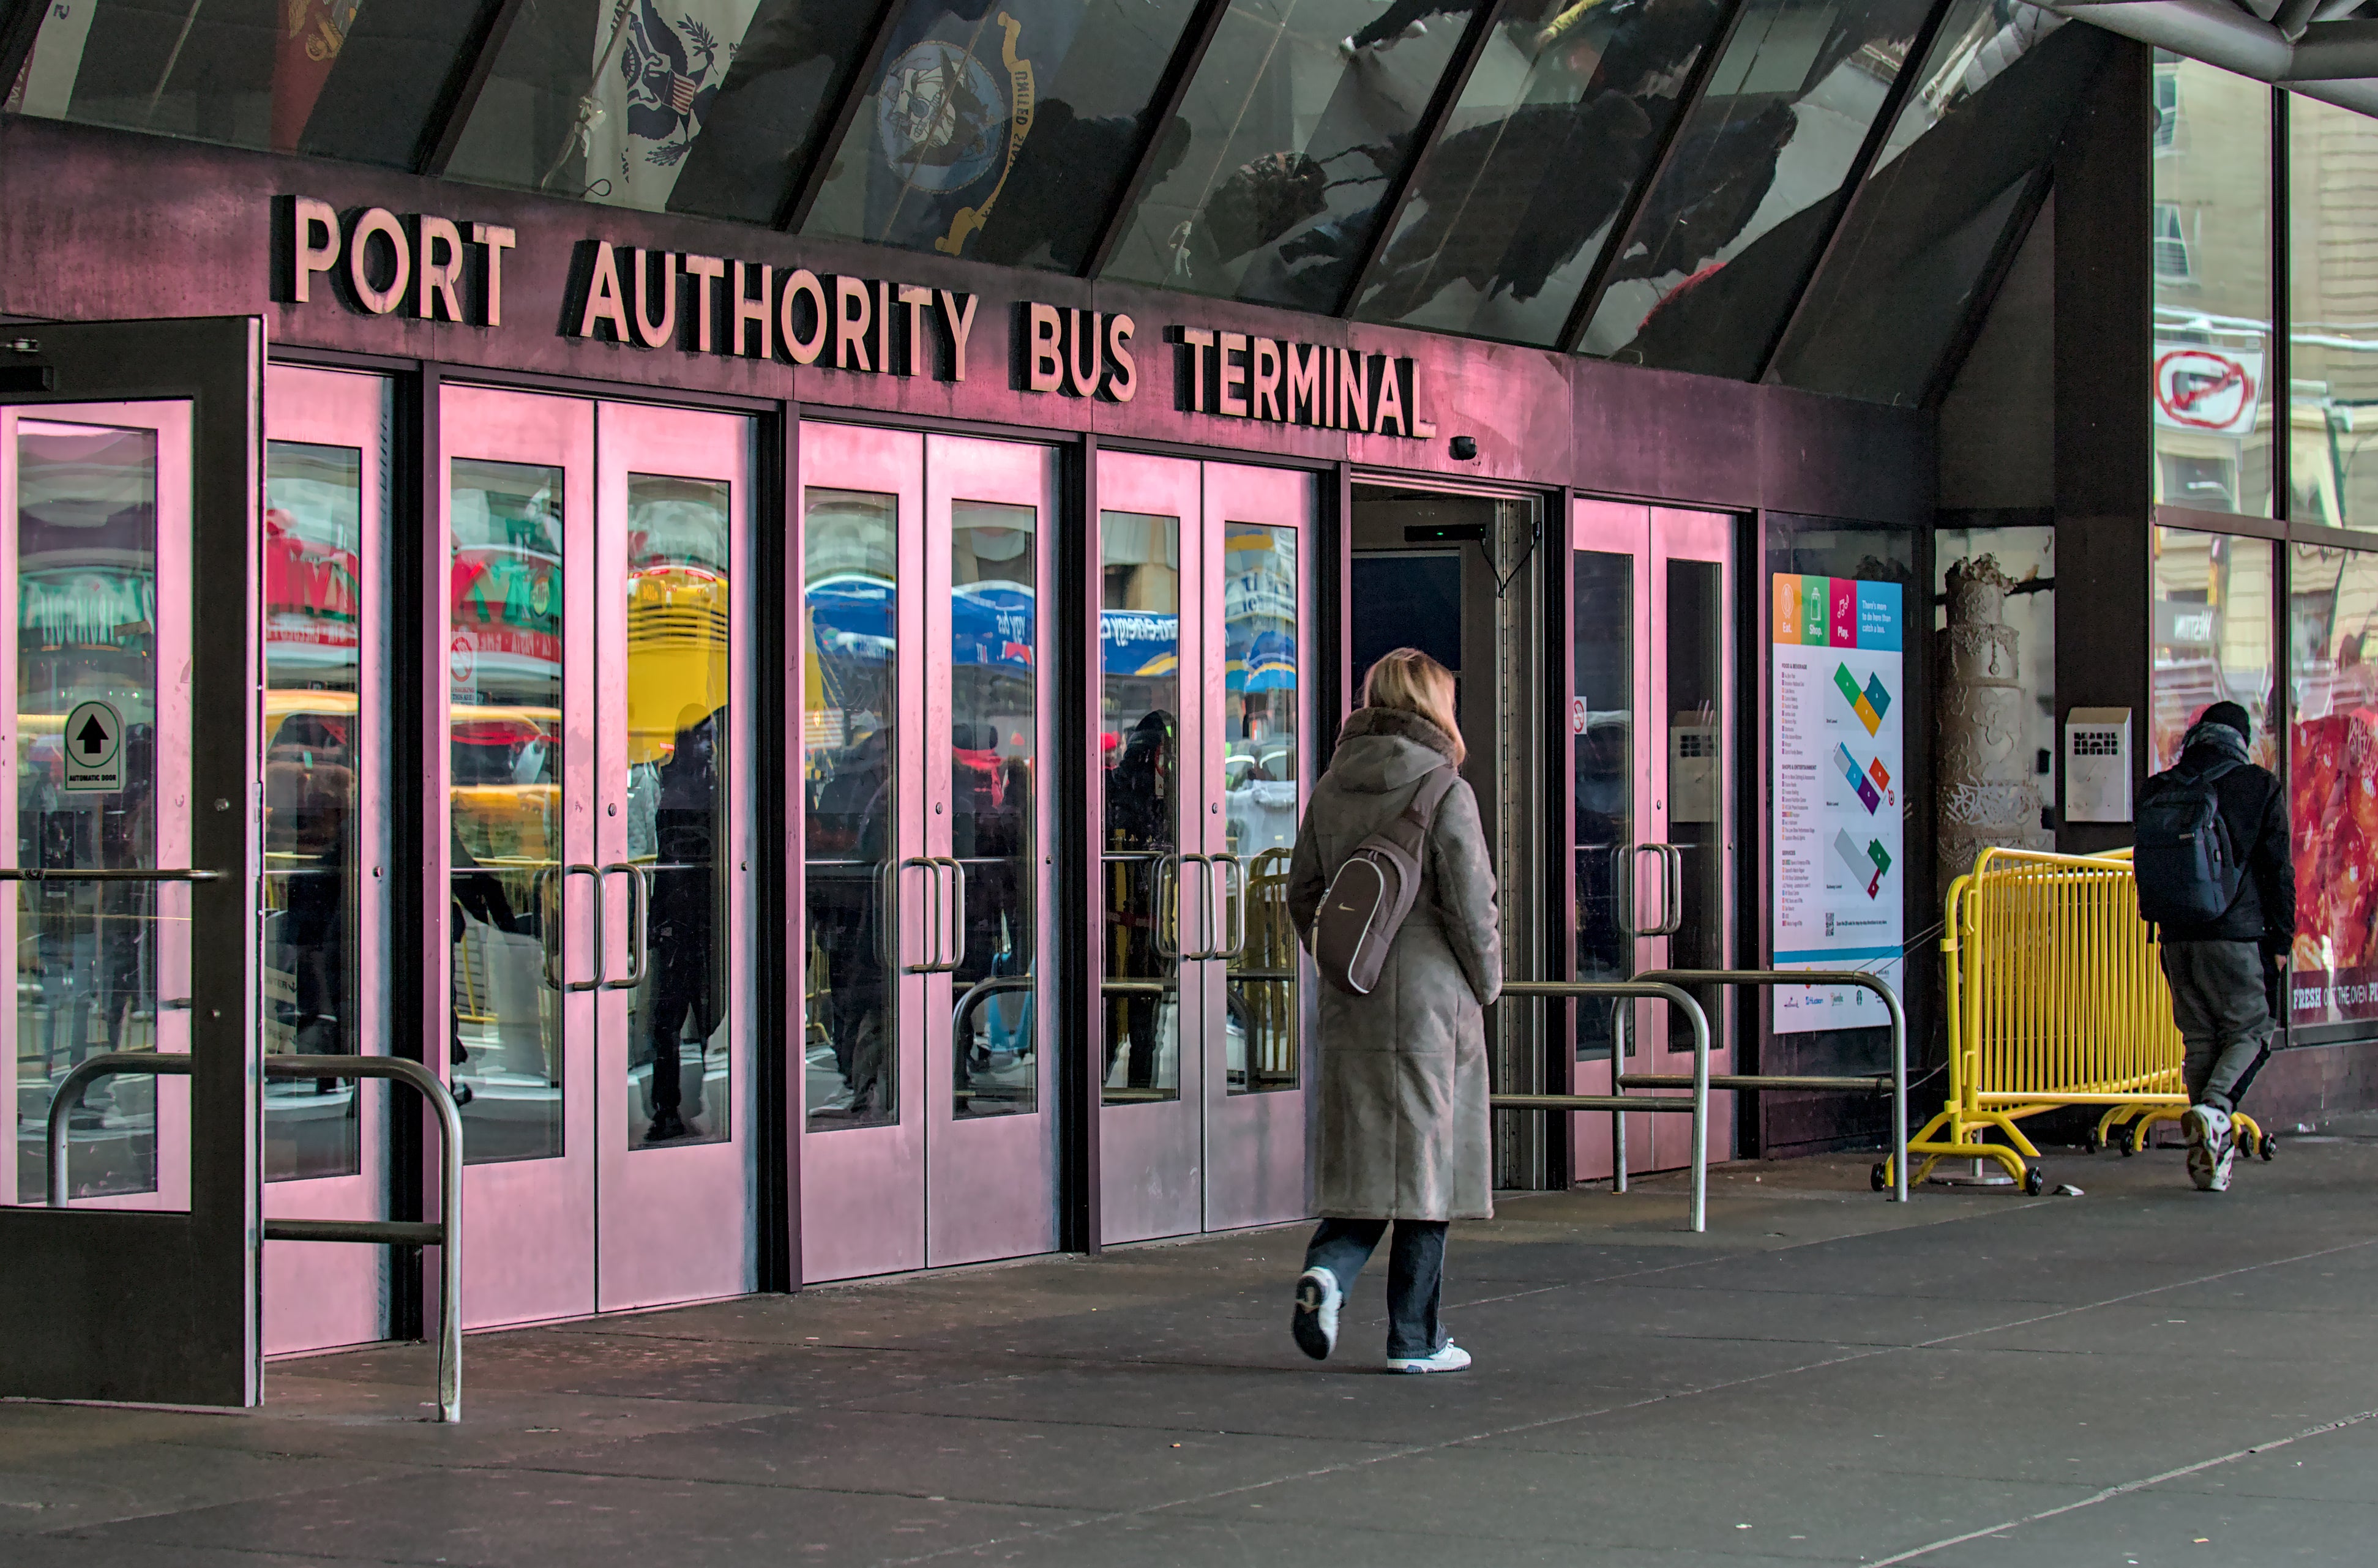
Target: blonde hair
[1409, 680]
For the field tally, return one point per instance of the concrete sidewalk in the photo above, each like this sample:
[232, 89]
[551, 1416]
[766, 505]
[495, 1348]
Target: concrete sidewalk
[2143, 1375]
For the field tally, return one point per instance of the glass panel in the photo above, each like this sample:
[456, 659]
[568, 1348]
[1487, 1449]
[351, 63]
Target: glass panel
[504, 736]
[2332, 155]
[1601, 726]
[849, 747]
[938, 158]
[1716, 257]
[681, 618]
[1560, 118]
[708, 106]
[2212, 227]
[343, 78]
[2332, 784]
[1298, 121]
[1697, 721]
[88, 953]
[995, 807]
[1927, 225]
[312, 882]
[2213, 640]
[1139, 740]
[1261, 704]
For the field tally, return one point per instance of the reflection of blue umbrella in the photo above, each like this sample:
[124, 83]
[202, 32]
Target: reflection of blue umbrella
[991, 625]
[1266, 663]
[1139, 642]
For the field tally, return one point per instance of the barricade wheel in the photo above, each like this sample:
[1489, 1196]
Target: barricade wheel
[2265, 1146]
[2034, 1181]
[1879, 1177]
[2094, 1141]
[2130, 1141]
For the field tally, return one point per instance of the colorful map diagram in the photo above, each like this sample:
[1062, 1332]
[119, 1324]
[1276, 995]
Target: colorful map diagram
[1870, 862]
[1871, 781]
[1869, 705]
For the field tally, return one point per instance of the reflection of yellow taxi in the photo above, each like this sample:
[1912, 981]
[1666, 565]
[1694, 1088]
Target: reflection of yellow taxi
[499, 819]
[677, 641]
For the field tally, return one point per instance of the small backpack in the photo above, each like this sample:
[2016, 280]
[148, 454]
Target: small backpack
[2188, 871]
[1373, 892]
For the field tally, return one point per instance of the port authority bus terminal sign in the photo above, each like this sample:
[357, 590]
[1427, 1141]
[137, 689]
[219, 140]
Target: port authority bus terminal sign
[427, 267]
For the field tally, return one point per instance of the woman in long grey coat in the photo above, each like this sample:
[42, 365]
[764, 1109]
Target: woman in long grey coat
[1402, 1085]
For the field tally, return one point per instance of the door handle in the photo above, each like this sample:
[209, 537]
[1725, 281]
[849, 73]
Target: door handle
[1167, 914]
[1206, 915]
[554, 881]
[932, 963]
[1226, 867]
[640, 900]
[1672, 889]
[958, 913]
[1622, 878]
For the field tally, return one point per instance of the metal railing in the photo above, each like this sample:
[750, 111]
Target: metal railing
[445, 1233]
[1658, 989]
[1893, 1084]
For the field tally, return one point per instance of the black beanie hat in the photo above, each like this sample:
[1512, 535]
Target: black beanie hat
[2229, 714]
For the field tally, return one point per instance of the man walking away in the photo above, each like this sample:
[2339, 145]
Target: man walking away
[2214, 877]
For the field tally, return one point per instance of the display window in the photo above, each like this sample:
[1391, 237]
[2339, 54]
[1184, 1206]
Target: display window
[2211, 637]
[2333, 784]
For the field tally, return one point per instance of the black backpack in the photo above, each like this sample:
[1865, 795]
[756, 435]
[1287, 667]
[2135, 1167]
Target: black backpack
[2189, 873]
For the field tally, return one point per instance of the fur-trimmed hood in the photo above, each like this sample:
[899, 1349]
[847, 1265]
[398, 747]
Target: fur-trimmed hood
[1384, 748]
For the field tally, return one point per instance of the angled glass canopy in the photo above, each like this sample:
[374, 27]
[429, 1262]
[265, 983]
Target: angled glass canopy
[334, 78]
[1298, 121]
[1936, 211]
[1707, 273]
[714, 108]
[1003, 129]
[1508, 210]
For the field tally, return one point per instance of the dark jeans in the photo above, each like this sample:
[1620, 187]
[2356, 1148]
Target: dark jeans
[1415, 1273]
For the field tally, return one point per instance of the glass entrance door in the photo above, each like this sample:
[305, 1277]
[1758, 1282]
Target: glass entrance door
[1205, 736]
[1652, 796]
[928, 1135]
[592, 966]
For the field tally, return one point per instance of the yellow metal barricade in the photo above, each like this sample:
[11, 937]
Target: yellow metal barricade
[2055, 997]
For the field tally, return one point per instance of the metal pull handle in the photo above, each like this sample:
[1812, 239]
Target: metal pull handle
[1168, 906]
[1206, 915]
[958, 914]
[932, 962]
[551, 891]
[1672, 889]
[1622, 878]
[1662, 926]
[1227, 868]
[105, 874]
[639, 900]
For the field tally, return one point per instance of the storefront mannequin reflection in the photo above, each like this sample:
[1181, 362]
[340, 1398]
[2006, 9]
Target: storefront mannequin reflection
[309, 792]
[1143, 822]
[685, 984]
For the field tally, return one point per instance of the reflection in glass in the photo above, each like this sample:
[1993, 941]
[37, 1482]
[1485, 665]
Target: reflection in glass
[1261, 702]
[88, 954]
[1603, 672]
[1299, 117]
[1562, 116]
[994, 802]
[340, 78]
[2335, 340]
[1924, 229]
[680, 615]
[849, 744]
[312, 891]
[2212, 250]
[1695, 670]
[940, 158]
[714, 108]
[1139, 707]
[1716, 256]
[504, 738]
[2332, 782]
[2213, 637]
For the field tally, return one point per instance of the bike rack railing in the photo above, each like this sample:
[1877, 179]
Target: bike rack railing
[1893, 1083]
[1653, 987]
[445, 1233]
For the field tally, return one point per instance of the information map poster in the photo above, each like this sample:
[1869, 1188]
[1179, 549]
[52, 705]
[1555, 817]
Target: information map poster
[1835, 688]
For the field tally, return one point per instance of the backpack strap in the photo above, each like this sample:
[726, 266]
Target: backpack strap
[1409, 832]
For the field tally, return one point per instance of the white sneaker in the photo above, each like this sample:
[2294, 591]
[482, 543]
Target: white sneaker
[1315, 1323]
[2212, 1147]
[1448, 1358]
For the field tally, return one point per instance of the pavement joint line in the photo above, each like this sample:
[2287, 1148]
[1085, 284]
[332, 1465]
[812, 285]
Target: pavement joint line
[2126, 1488]
[1416, 1449]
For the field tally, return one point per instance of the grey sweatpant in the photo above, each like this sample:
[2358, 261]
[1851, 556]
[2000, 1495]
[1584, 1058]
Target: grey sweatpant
[2224, 1013]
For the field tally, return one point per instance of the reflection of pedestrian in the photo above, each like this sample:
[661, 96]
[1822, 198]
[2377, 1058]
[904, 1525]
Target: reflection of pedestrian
[1141, 823]
[2219, 969]
[683, 924]
[850, 839]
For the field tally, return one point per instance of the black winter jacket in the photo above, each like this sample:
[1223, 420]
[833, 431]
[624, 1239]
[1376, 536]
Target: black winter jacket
[2256, 812]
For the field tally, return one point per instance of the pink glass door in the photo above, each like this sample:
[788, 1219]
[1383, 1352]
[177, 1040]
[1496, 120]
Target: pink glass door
[1652, 809]
[322, 921]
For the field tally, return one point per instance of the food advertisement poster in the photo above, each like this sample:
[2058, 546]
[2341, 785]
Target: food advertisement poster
[1835, 679]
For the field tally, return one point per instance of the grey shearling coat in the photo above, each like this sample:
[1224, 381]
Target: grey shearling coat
[1402, 1127]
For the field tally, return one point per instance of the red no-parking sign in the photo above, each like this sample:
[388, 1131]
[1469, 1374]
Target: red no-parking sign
[2202, 388]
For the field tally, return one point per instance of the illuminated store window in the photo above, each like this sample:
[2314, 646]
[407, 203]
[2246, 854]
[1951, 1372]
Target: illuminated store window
[2332, 784]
